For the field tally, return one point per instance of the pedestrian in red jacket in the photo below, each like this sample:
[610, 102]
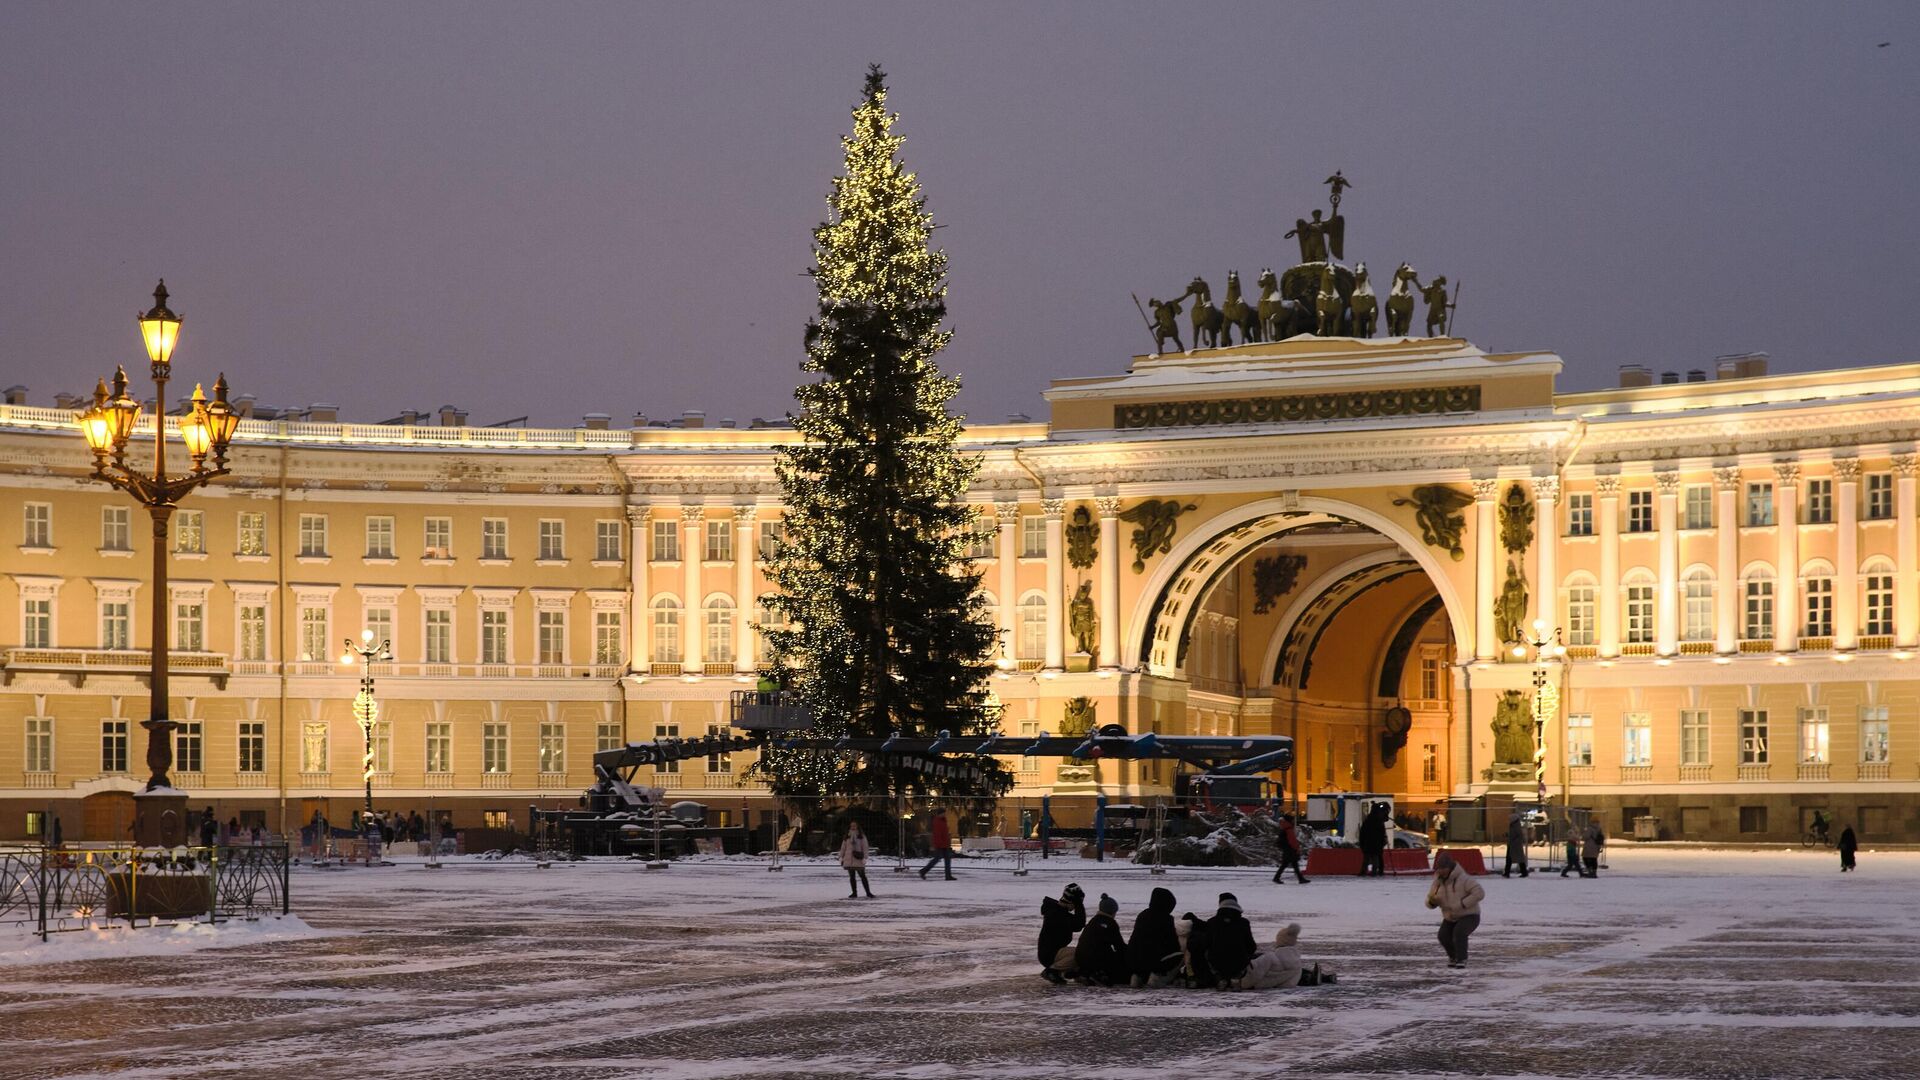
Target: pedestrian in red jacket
[942, 846]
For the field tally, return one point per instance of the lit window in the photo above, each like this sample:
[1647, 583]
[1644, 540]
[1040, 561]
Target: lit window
[253, 632]
[1430, 763]
[439, 538]
[1875, 735]
[313, 747]
[551, 632]
[553, 748]
[493, 747]
[1579, 739]
[189, 532]
[1753, 736]
[1637, 741]
[314, 644]
[439, 748]
[609, 638]
[189, 626]
[253, 533]
[493, 636]
[1814, 737]
[116, 624]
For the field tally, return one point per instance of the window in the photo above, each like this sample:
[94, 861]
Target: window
[551, 637]
[439, 748]
[721, 762]
[553, 540]
[771, 620]
[553, 748]
[1875, 735]
[493, 636]
[1879, 609]
[496, 819]
[189, 532]
[1753, 819]
[772, 535]
[439, 636]
[493, 747]
[116, 624]
[439, 538]
[1819, 502]
[1430, 763]
[1639, 511]
[189, 625]
[253, 533]
[1753, 736]
[1693, 736]
[1814, 737]
[379, 537]
[1640, 612]
[115, 534]
[666, 731]
[38, 522]
[719, 541]
[1879, 495]
[719, 640]
[1759, 622]
[380, 621]
[666, 541]
[186, 746]
[1698, 605]
[1579, 739]
[1699, 507]
[313, 747]
[313, 634]
[609, 638]
[382, 746]
[1580, 514]
[1033, 537]
[313, 536]
[493, 538]
[113, 746]
[39, 744]
[1430, 678]
[666, 630]
[1637, 739]
[1759, 504]
[1819, 606]
[253, 632]
[253, 746]
[36, 623]
[606, 541]
[608, 736]
[1580, 615]
[981, 533]
[1031, 644]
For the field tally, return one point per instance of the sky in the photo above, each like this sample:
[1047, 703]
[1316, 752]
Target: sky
[548, 210]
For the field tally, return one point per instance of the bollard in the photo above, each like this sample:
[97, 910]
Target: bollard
[1159, 839]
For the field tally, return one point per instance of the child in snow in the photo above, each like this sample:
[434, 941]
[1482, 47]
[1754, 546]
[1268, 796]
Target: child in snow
[1059, 921]
[1153, 952]
[1101, 956]
[1230, 946]
[1194, 938]
[1281, 966]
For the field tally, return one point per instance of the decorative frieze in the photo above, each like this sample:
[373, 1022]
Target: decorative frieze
[1348, 405]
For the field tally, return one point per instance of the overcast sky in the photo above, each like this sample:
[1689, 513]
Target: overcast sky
[554, 209]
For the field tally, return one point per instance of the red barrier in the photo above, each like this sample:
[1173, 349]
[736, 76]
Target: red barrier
[1334, 861]
[1468, 858]
[1338, 861]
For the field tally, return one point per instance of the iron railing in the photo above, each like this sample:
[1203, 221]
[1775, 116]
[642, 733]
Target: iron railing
[53, 889]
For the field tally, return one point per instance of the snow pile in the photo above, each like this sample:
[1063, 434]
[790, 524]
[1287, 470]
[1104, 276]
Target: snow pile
[1230, 838]
[117, 942]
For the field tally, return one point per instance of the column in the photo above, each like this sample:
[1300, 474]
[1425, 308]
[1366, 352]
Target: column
[1666, 519]
[1726, 531]
[692, 549]
[640, 623]
[1109, 508]
[1056, 509]
[1786, 566]
[1608, 511]
[745, 518]
[1008, 515]
[1906, 580]
[1846, 578]
[1486, 547]
[1546, 540]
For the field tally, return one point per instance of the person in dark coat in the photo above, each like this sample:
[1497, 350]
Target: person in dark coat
[1153, 952]
[1289, 851]
[1592, 839]
[1198, 938]
[1373, 842]
[1102, 953]
[209, 828]
[1230, 946]
[1059, 921]
[1848, 845]
[1516, 848]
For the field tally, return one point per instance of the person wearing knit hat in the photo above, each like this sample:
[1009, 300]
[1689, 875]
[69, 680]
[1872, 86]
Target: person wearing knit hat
[1230, 946]
[1059, 921]
[1153, 951]
[1101, 955]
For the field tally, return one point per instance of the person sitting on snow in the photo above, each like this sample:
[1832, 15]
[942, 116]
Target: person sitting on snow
[1101, 955]
[1281, 966]
[1194, 932]
[1230, 946]
[1059, 921]
[1153, 952]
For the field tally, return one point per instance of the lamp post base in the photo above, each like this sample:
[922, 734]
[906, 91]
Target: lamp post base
[160, 818]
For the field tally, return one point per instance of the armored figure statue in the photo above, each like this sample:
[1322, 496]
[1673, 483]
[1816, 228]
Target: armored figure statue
[1082, 621]
[1166, 323]
[1436, 297]
[1510, 610]
[1512, 730]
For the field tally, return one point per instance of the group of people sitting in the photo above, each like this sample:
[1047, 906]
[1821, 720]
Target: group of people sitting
[1216, 953]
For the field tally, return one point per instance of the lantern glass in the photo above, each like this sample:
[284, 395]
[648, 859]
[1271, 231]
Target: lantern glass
[98, 428]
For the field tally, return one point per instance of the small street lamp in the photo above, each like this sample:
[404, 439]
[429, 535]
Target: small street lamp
[1541, 646]
[365, 709]
[206, 428]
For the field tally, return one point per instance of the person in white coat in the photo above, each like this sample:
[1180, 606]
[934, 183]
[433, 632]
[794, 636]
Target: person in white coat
[853, 859]
[1458, 897]
[1281, 966]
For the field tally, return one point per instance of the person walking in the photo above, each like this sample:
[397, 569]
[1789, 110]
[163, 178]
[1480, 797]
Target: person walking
[1373, 842]
[1591, 841]
[1289, 851]
[1458, 897]
[853, 859]
[1848, 845]
[942, 842]
[1516, 847]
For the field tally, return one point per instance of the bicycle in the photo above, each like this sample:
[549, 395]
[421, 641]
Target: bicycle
[1816, 838]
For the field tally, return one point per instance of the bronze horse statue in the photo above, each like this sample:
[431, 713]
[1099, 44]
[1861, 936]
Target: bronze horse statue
[1365, 306]
[1280, 318]
[1400, 301]
[1328, 303]
[1239, 314]
[1208, 323]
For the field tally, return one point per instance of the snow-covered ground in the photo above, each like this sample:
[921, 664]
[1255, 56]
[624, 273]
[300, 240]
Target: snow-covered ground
[1675, 963]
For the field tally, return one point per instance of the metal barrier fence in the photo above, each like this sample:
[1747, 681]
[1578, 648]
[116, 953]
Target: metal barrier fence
[54, 889]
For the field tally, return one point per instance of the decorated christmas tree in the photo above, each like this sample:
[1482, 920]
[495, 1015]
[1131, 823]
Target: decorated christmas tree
[886, 629]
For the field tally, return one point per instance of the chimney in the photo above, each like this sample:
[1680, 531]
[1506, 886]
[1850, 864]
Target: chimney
[1636, 375]
[639, 420]
[1741, 365]
[1696, 375]
[1669, 378]
[62, 400]
[452, 417]
[16, 395]
[693, 418]
[597, 421]
[323, 413]
[243, 406]
[727, 422]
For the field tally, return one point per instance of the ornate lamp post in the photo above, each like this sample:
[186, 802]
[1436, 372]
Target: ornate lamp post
[1541, 646]
[365, 709]
[206, 428]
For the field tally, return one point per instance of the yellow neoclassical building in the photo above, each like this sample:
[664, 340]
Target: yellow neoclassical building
[1330, 539]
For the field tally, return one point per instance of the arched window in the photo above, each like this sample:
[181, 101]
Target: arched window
[770, 619]
[1580, 610]
[719, 639]
[1876, 578]
[1759, 611]
[666, 630]
[1697, 623]
[1639, 585]
[1031, 643]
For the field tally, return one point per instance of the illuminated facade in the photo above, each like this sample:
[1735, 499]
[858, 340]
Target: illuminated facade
[1295, 539]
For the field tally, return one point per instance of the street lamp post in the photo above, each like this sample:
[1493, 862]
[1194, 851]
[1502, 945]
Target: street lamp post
[1540, 646]
[365, 709]
[206, 428]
